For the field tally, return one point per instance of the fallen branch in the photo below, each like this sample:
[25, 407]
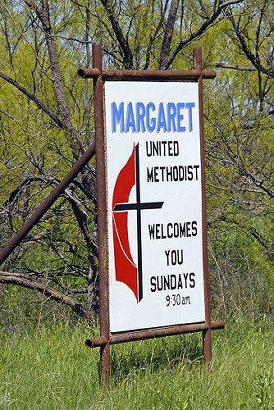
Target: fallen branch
[18, 279]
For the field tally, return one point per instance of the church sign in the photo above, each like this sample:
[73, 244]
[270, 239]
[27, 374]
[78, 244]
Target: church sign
[152, 236]
[154, 201]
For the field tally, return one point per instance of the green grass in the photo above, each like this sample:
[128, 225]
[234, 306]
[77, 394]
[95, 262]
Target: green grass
[50, 368]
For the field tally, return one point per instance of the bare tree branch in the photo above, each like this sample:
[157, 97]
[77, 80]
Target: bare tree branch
[235, 67]
[258, 183]
[252, 231]
[202, 29]
[154, 36]
[42, 12]
[18, 279]
[169, 28]
[36, 100]
[123, 42]
[254, 59]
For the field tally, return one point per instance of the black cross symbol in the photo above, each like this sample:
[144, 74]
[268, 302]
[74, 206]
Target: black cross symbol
[138, 206]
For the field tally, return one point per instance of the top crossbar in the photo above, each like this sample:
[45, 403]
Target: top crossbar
[147, 74]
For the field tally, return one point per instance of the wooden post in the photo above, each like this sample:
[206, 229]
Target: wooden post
[206, 334]
[102, 218]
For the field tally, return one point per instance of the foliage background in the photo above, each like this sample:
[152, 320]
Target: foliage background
[46, 122]
[48, 286]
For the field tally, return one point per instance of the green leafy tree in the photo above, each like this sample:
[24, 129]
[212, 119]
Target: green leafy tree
[46, 123]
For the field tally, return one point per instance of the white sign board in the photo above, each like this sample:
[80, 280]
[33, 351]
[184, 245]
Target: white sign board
[154, 204]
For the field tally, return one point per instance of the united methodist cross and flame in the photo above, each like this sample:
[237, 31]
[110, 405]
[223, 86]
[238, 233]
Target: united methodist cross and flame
[126, 269]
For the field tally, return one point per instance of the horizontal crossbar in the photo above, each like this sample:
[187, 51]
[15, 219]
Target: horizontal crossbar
[146, 74]
[123, 337]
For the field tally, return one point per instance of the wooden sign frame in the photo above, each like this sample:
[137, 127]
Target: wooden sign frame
[106, 338]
